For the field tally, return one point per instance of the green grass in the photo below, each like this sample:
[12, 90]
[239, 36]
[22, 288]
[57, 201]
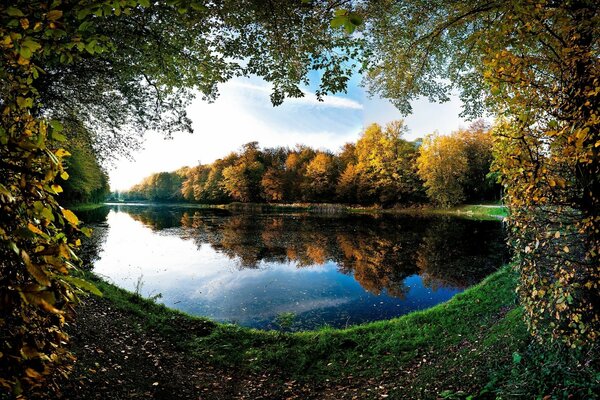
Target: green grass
[328, 353]
[492, 210]
[464, 346]
[85, 206]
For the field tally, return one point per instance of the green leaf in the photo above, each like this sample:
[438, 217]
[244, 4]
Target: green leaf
[349, 27]
[144, 3]
[338, 22]
[14, 12]
[82, 284]
[355, 19]
[47, 214]
[31, 44]
[516, 358]
[14, 247]
[25, 52]
[91, 46]
[25, 102]
[81, 14]
[86, 231]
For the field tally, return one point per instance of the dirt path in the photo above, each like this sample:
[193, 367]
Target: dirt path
[117, 359]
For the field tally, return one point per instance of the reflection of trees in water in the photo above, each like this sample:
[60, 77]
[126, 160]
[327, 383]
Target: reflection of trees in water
[90, 247]
[458, 254]
[379, 258]
[380, 251]
[156, 218]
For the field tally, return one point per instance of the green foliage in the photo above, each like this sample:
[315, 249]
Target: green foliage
[86, 181]
[386, 166]
[160, 187]
[285, 320]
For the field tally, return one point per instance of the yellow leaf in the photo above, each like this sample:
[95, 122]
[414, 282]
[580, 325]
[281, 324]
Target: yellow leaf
[60, 153]
[34, 229]
[30, 372]
[29, 352]
[566, 249]
[69, 216]
[54, 15]
[557, 234]
[35, 270]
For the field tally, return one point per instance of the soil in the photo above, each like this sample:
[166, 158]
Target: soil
[117, 359]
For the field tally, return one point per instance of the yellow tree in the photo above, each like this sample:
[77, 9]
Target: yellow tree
[535, 64]
[443, 166]
[386, 165]
[320, 177]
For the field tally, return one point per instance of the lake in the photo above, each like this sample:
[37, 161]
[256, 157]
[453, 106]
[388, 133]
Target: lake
[250, 268]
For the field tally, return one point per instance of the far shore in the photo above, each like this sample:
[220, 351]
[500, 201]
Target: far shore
[477, 211]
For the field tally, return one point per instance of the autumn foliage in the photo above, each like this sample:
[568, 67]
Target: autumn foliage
[456, 167]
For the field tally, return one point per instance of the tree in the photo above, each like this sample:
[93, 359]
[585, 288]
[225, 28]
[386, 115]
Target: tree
[320, 177]
[443, 166]
[242, 180]
[116, 67]
[455, 168]
[347, 185]
[385, 163]
[535, 64]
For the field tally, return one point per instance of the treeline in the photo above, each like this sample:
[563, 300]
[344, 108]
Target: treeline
[380, 168]
[87, 181]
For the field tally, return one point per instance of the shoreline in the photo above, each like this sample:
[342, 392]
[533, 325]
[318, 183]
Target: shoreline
[472, 211]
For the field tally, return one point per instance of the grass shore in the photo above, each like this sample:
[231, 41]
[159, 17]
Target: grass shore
[473, 345]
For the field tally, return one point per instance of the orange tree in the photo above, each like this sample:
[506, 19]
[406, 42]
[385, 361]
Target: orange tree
[535, 65]
[108, 68]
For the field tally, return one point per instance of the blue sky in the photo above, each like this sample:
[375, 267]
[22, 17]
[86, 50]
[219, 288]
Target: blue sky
[243, 113]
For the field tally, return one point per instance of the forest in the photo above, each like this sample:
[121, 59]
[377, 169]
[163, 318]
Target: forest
[81, 81]
[381, 168]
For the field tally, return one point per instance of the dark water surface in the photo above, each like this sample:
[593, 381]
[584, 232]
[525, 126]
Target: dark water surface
[328, 270]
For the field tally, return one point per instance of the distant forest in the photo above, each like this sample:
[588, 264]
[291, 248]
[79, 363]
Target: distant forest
[380, 168]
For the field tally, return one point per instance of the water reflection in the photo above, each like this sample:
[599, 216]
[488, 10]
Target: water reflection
[333, 270]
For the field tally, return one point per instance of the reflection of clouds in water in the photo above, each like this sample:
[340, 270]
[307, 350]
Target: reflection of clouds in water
[292, 306]
[268, 274]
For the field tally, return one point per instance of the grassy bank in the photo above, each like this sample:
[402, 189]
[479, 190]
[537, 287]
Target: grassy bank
[85, 206]
[476, 343]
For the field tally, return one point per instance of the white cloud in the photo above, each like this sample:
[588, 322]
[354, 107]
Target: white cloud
[309, 97]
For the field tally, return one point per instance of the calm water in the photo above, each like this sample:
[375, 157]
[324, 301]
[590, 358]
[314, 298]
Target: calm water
[327, 270]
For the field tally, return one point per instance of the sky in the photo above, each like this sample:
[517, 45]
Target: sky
[243, 113]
